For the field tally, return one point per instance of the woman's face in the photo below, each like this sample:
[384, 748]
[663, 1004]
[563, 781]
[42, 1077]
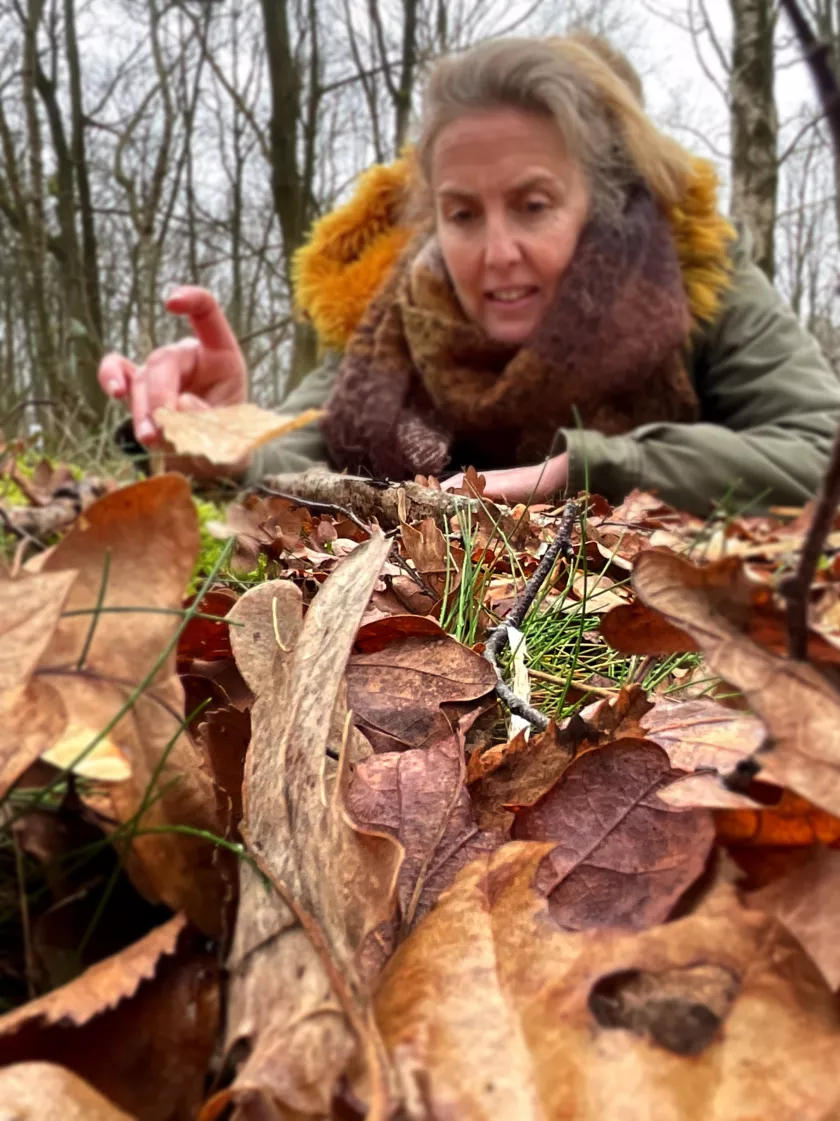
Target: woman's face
[509, 204]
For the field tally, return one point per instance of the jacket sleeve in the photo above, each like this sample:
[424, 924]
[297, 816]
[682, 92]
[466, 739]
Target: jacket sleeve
[770, 405]
[305, 448]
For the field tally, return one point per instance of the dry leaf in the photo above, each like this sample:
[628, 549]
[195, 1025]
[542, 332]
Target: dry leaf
[623, 858]
[489, 1010]
[150, 532]
[402, 669]
[294, 824]
[227, 433]
[142, 1035]
[799, 708]
[518, 773]
[280, 1000]
[807, 901]
[32, 715]
[746, 606]
[100, 987]
[46, 1092]
[418, 797]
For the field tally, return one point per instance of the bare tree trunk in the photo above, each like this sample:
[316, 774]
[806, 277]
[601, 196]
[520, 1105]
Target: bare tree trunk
[755, 166]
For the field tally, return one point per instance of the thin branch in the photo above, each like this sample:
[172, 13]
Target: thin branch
[561, 544]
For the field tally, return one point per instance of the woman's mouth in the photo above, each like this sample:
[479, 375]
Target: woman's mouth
[511, 297]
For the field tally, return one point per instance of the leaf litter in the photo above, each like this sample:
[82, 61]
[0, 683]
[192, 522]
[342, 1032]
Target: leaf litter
[418, 915]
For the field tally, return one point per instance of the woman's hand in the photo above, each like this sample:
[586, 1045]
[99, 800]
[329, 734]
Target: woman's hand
[192, 374]
[522, 484]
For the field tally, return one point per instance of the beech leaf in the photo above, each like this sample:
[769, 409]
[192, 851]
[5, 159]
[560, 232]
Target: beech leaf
[227, 433]
[47, 1092]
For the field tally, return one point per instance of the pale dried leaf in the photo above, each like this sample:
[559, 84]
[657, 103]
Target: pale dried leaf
[227, 433]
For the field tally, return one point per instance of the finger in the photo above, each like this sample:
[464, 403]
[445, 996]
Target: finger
[189, 403]
[145, 429]
[206, 317]
[452, 482]
[115, 374]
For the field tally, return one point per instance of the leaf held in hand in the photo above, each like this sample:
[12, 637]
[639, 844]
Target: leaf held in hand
[227, 433]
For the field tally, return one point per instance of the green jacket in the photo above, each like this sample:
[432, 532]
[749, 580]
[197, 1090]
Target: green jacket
[770, 407]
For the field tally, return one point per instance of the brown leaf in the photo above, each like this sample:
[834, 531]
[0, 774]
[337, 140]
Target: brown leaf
[403, 668]
[624, 857]
[746, 606]
[150, 532]
[142, 1036]
[280, 1000]
[799, 708]
[46, 1092]
[294, 824]
[102, 986]
[791, 822]
[32, 716]
[418, 797]
[702, 733]
[807, 901]
[518, 773]
[227, 433]
[490, 1011]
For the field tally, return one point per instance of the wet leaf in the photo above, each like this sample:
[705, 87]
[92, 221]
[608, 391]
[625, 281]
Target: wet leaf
[624, 857]
[227, 433]
[47, 1092]
[489, 1010]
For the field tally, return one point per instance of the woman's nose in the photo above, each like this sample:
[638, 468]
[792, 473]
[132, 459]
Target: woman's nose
[501, 248]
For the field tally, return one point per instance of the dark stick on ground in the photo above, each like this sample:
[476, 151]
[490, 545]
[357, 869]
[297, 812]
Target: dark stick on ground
[561, 545]
[796, 588]
[318, 507]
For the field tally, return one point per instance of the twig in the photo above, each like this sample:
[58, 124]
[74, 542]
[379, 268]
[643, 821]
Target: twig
[314, 504]
[562, 544]
[796, 588]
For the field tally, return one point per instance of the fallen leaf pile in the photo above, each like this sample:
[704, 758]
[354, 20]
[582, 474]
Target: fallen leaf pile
[269, 852]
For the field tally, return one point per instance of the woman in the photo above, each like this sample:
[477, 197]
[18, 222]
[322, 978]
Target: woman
[544, 290]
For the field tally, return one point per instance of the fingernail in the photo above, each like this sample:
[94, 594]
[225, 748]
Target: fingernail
[113, 385]
[145, 430]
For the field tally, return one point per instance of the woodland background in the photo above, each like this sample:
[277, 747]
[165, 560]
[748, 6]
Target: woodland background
[145, 143]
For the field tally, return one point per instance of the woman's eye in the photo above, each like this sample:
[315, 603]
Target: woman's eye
[536, 205]
[461, 217]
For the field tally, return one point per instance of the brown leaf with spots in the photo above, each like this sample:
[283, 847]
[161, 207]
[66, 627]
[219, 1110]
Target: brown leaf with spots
[624, 857]
[150, 533]
[800, 710]
[153, 1007]
[489, 1010]
[402, 670]
[47, 1092]
[807, 901]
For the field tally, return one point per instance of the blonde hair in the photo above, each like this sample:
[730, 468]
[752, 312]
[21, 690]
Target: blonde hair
[586, 87]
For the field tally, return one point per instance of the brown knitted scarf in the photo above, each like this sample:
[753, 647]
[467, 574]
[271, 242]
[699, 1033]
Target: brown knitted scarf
[422, 389]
